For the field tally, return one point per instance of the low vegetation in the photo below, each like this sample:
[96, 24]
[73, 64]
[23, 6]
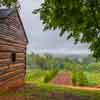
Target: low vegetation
[49, 76]
[83, 74]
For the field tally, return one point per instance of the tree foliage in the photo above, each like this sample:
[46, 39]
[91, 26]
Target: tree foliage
[80, 19]
[7, 3]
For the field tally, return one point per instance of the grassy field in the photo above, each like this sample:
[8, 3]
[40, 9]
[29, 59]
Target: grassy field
[35, 76]
[93, 77]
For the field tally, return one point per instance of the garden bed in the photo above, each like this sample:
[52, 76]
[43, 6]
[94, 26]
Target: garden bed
[62, 78]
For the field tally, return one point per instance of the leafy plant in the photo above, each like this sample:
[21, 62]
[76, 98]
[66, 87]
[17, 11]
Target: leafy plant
[50, 75]
[78, 76]
[93, 67]
[74, 75]
[82, 79]
[74, 78]
[7, 3]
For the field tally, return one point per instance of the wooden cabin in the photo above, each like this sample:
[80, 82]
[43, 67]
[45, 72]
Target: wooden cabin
[13, 42]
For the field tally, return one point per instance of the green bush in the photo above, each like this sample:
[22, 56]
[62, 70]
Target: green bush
[34, 75]
[92, 67]
[78, 76]
[82, 79]
[93, 78]
[74, 75]
[50, 75]
[91, 83]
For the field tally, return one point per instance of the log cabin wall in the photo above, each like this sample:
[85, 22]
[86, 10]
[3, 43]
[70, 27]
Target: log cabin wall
[13, 44]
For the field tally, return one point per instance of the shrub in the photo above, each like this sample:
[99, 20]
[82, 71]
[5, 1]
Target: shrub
[93, 78]
[78, 76]
[74, 78]
[91, 83]
[50, 75]
[82, 79]
[93, 67]
[74, 75]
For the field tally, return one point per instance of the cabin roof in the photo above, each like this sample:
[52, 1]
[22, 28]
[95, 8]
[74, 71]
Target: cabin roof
[4, 13]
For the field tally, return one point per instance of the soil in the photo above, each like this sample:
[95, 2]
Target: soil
[62, 78]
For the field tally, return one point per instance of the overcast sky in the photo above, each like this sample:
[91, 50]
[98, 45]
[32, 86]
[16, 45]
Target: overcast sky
[49, 41]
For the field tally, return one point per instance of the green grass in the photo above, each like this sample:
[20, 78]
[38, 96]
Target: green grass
[35, 76]
[93, 77]
[50, 75]
[95, 95]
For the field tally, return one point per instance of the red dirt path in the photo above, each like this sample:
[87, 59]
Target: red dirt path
[62, 78]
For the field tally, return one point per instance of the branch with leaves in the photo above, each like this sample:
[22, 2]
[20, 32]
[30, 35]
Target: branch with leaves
[80, 19]
[7, 3]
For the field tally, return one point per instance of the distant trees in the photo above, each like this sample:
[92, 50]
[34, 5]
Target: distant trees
[40, 61]
[35, 60]
[43, 61]
[50, 62]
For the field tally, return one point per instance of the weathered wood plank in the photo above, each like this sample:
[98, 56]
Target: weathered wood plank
[12, 67]
[6, 64]
[20, 58]
[5, 42]
[15, 68]
[14, 20]
[20, 55]
[17, 64]
[5, 61]
[11, 74]
[5, 55]
[11, 39]
[11, 48]
[19, 76]
[8, 70]
[8, 61]
[3, 68]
